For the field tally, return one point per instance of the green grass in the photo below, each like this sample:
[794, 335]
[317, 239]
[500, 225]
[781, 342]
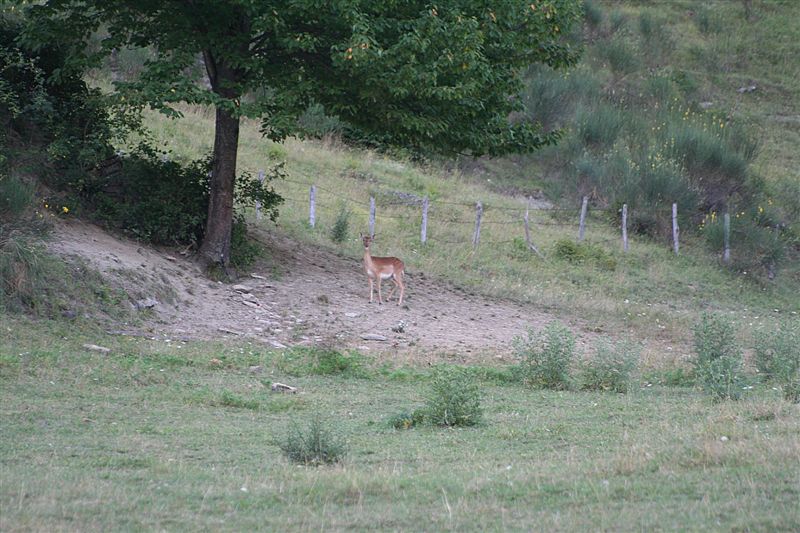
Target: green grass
[138, 439]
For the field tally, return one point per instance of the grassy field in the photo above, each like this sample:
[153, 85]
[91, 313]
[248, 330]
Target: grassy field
[176, 436]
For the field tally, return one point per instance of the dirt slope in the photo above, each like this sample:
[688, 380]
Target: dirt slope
[319, 297]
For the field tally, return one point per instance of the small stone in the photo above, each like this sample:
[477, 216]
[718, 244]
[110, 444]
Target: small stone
[280, 387]
[96, 348]
[277, 344]
[256, 276]
[146, 303]
[251, 304]
[256, 369]
[373, 337]
[241, 288]
[352, 315]
[724, 438]
[215, 362]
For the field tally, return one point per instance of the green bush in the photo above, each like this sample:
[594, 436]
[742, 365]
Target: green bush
[314, 445]
[155, 199]
[244, 251]
[611, 368]
[583, 253]
[776, 352]
[341, 227]
[620, 56]
[545, 356]
[592, 13]
[599, 126]
[323, 361]
[16, 196]
[718, 357]
[454, 399]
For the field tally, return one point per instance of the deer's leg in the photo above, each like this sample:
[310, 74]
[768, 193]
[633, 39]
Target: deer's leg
[394, 287]
[379, 289]
[402, 287]
[370, 289]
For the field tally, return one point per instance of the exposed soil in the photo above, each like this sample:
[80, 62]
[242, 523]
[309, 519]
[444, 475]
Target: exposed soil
[315, 297]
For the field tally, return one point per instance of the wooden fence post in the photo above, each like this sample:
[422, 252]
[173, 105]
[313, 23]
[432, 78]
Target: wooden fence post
[372, 215]
[424, 231]
[476, 237]
[582, 226]
[675, 229]
[312, 216]
[528, 230]
[625, 227]
[258, 202]
[726, 254]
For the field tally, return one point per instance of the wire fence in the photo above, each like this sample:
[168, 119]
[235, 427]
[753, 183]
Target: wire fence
[441, 221]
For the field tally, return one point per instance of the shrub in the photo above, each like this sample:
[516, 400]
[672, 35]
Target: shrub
[244, 251]
[315, 445]
[718, 357]
[155, 199]
[341, 227]
[406, 420]
[454, 399]
[620, 56]
[15, 196]
[583, 252]
[776, 352]
[599, 126]
[611, 367]
[592, 14]
[323, 361]
[545, 356]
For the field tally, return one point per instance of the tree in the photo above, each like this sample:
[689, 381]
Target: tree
[433, 77]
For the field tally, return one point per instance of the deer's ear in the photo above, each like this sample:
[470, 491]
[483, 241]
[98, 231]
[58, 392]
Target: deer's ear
[361, 234]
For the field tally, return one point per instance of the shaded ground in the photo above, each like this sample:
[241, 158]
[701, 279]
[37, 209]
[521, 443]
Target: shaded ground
[319, 297]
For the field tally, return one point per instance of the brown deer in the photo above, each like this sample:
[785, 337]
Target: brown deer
[381, 268]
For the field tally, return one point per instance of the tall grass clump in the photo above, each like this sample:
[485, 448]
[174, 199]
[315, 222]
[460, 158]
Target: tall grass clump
[776, 354]
[16, 196]
[718, 357]
[545, 356]
[592, 14]
[612, 367]
[599, 125]
[620, 56]
[317, 444]
[341, 226]
[454, 399]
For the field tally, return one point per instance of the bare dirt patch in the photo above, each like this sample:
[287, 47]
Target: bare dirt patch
[316, 297]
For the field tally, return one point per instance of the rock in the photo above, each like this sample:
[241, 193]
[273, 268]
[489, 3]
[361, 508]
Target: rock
[256, 276]
[352, 315]
[400, 327]
[230, 331]
[215, 362]
[96, 348]
[276, 344]
[706, 105]
[250, 304]
[373, 337]
[69, 314]
[746, 89]
[280, 387]
[249, 298]
[146, 303]
[256, 369]
[241, 288]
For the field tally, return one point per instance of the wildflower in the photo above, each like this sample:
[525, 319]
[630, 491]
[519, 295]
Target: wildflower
[65, 210]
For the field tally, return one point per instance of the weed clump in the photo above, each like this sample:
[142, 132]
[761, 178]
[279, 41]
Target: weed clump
[718, 358]
[407, 420]
[454, 399]
[341, 227]
[546, 356]
[777, 357]
[581, 253]
[611, 368]
[314, 445]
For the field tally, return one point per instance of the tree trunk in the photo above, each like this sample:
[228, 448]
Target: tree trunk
[216, 247]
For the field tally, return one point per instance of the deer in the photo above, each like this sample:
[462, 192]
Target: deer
[381, 268]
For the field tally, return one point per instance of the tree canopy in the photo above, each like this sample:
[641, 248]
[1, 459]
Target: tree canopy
[432, 77]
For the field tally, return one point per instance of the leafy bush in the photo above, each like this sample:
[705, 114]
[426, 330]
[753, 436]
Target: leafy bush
[15, 196]
[599, 126]
[244, 251]
[718, 357]
[155, 199]
[341, 227]
[454, 399]
[545, 356]
[776, 353]
[611, 367]
[316, 124]
[315, 445]
[583, 252]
